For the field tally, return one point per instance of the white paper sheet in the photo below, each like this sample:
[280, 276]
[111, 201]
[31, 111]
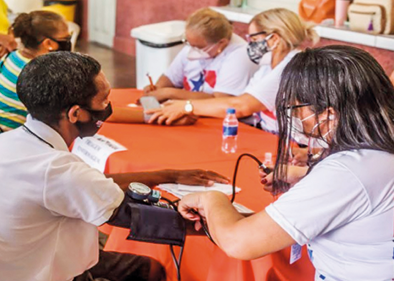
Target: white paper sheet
[96, 150]
[180, 190]
[242, 209]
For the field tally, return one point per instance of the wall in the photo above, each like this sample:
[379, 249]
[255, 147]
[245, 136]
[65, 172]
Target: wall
[269, 4]
[83, 20]
[133, 13]
[24, 6]
[384, 57]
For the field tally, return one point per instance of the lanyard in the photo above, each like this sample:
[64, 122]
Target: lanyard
[38, 137]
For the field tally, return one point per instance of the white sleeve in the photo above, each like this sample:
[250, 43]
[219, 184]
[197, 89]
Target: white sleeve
[235, 73]
[326, 199]
[177, 68]
[75, 190]
[264, 87]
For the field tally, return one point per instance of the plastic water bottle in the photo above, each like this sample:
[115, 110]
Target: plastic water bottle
[230, 132]
[268, 159]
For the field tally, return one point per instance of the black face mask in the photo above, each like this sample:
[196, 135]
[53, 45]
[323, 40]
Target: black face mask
[97, 118]
[64, 45]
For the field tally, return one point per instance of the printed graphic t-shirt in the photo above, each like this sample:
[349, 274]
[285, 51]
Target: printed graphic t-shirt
[229, 72]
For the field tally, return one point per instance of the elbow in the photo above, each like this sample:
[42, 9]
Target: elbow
[235, 248]
[238, 246]
[238, 251]
[234, 251]
[242, 108]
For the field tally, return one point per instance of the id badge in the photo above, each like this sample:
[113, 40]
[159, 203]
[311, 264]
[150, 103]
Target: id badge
[296, 253]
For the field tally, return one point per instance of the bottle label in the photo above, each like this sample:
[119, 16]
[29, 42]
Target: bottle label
[230, 131]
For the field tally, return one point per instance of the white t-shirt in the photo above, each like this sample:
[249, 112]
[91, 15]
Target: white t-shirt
[344, 211]
[264, 86]
[51, 203]
[229, 72]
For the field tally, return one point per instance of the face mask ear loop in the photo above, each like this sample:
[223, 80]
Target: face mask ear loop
[290, 113]
[309, 153]
[270, 49]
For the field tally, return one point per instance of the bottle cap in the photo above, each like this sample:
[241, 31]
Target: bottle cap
[230, 110]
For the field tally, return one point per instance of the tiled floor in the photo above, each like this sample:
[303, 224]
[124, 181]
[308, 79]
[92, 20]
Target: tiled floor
[118, 67]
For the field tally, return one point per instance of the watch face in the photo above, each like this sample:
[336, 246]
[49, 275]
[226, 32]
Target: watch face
[188, 107]
[139, 188]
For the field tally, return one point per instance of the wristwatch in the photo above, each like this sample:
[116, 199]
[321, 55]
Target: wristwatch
[188, 107]
[139, 191]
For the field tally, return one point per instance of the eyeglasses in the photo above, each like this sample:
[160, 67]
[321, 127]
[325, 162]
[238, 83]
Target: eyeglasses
[289, 109]
[205, 49]
[249, 36]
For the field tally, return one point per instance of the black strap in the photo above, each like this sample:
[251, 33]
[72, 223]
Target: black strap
[160, 46]
[37, 136]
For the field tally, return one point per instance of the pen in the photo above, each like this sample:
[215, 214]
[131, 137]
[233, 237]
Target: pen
[152, 87]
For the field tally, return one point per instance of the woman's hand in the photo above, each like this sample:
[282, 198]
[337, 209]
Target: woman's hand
[191, 206]
[185, 120]
[199, 177]
[161, 94]
[171, 111]
[149, 88]
[299, 156]
[294, 175]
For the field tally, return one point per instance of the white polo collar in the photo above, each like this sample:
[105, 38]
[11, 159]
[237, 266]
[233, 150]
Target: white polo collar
[46, 133]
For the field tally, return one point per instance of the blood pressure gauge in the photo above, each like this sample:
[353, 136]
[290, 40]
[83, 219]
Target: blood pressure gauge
[141, 192]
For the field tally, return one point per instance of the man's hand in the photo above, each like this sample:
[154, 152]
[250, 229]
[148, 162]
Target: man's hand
[198, 177]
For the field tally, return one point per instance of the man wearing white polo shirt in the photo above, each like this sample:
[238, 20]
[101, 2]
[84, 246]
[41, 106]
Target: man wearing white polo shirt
[51, 202]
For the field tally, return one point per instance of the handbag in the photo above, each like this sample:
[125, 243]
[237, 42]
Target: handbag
[374, 16]
[316, 10]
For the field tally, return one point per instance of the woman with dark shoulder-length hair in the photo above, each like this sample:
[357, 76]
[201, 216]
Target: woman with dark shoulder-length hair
[343, 208]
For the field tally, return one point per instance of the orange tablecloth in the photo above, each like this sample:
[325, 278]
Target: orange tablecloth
[157, 147]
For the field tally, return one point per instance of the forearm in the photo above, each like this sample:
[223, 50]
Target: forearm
[221, 217]
[164, 82]
[181, 94]
[242, 237]
[126, 115]
[149, 178]
[244, 105]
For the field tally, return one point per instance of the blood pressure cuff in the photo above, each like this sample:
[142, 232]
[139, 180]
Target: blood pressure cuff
[154, 224]
[150, 223]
